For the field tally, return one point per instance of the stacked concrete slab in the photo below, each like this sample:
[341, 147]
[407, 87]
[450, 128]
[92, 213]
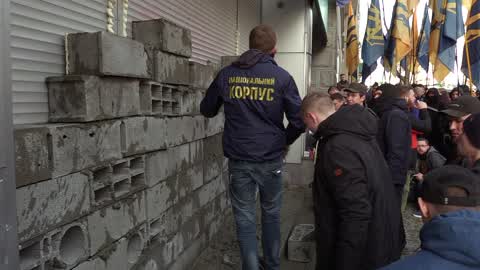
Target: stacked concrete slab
[127, 175]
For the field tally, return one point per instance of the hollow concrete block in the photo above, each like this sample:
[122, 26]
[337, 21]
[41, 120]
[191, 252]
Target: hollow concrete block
[161, 197]
[91, 98]
[44, 206]
[105, 54]
[213, 157]
[108, 225]
[160, 34]
[32, 159]
[143, 134]
[76, 147]
[171, 69]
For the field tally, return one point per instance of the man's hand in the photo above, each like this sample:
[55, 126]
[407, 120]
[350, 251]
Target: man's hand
[419, 176]
[421, 105]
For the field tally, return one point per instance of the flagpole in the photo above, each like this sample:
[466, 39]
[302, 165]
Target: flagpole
[469, 65]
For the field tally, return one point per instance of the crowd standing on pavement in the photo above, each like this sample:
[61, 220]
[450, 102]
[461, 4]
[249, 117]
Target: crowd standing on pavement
[374, 148]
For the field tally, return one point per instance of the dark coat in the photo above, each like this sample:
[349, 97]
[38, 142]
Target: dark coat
[257, 94]
[394, 137]
[432, 160]
[356, 215]
[449, 242]
[476, 167]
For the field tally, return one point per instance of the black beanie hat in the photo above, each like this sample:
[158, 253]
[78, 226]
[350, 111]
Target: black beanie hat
[471, 128]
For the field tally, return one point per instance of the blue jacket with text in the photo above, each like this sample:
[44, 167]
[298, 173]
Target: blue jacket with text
[256, 94]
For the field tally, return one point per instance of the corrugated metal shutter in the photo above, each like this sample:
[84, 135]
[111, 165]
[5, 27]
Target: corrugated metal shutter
[248, 17]
[37, 48]
[212, 22]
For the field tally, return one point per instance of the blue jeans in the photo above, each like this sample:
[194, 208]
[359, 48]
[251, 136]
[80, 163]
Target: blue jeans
[246, 178]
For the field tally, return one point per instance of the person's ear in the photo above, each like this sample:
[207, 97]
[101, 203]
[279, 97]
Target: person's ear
[274, 51]
[426, 214]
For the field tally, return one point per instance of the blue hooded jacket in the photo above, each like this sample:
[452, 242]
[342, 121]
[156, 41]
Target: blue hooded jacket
[256, 94]
[449, 242]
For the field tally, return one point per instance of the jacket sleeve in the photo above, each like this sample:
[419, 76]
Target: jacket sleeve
[398, 142]
[436, 160]
[423, 124]
[213, 100]
[293, 103]
[346, 178]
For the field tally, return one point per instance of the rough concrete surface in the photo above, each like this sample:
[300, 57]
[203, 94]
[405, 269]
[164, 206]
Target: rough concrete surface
[160, 34]
[142, 135]
[31, 154]
[201, 76]
[76, 147]
[102, 53]
[228, 60]
[49, 204]
[223, 253]
[91, 98]
[110, 224]
[171, 69]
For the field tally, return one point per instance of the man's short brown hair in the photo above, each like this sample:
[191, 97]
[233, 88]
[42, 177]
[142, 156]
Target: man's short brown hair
[263, 38]
[318, 102]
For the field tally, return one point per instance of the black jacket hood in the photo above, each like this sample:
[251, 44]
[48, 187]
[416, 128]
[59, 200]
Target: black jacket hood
[386, 104]
[251, 57]
[354, 120]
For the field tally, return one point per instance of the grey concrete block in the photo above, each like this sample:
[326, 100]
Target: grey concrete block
[116, 180]
[188, 257]
[46, 205]
[69, 246]
[300, 243]
[181, 130]
[213, 157]
[201, 76]
[215, 125]
[79, 146]
[33, 254]
[143, 134]
[32, 160]
[114, 222]
[161, 99]
[189, 103]
[90, 98]
[209, 192]
[171, 69]
[228, 60]
[161, 197]
[189, 180]
[159, 167]
[160, 34]
[102, 53]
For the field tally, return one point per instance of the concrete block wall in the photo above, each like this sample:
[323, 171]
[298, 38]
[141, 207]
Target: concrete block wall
[127, 175]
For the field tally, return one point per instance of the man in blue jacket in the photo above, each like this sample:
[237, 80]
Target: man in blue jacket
[450, 206]
[256, 94]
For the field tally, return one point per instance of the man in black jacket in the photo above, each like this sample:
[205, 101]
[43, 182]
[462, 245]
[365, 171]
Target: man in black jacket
[356, 216]
[394, 133]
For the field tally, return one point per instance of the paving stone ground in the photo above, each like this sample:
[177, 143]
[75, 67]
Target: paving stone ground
[224, 254]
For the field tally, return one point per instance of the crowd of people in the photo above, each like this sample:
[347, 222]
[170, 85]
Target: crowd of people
[375, 148]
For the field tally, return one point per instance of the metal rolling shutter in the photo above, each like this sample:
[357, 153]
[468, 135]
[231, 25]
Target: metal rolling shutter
[212, 22]
[37, 48]
[248, 17]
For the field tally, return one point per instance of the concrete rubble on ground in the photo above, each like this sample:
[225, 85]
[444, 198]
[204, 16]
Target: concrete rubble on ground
[127, 175]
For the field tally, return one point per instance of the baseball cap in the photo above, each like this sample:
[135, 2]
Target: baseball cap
[356, 88]
[436, 183]
[471, 128]
[464, 105]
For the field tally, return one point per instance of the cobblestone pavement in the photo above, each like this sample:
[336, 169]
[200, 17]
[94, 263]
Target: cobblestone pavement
[224, 254]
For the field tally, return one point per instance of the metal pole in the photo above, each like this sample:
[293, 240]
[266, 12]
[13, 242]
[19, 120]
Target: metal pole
[8, 215]
[339, 42]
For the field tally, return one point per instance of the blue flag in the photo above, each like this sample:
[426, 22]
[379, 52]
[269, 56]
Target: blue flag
[471, 55]
[342, 3]
[424, 41]
[451, 29]
[374, 42]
